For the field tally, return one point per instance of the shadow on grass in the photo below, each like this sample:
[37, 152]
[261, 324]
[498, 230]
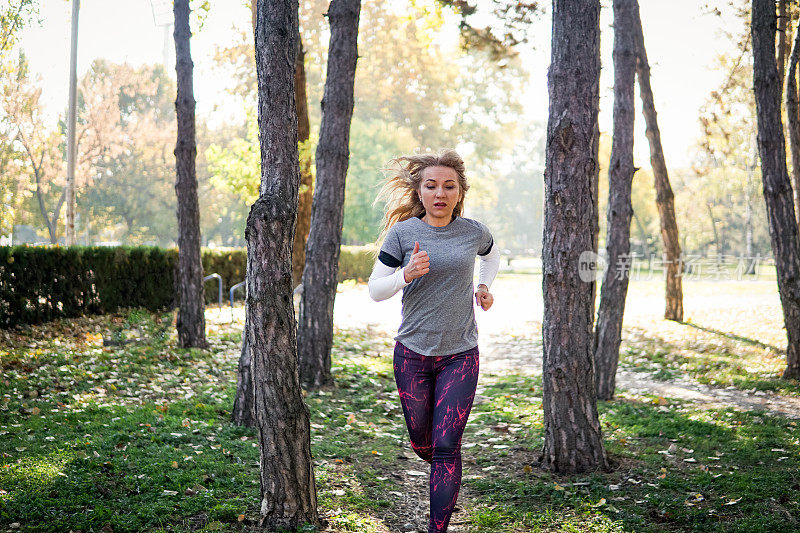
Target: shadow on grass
[733, 336]
[713, 365]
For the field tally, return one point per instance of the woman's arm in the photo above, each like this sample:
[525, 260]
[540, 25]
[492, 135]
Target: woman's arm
[384, 282]
[489, 265]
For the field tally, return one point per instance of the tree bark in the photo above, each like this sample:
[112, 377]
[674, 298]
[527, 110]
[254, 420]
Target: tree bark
[573, 438]
[777, 188]
[793, 118]
[191, 322]
[665, 200]
[315, 333]
[288, 493]
[608, 330]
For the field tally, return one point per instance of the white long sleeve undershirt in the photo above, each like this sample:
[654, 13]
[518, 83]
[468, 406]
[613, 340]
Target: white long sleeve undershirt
[385, 281]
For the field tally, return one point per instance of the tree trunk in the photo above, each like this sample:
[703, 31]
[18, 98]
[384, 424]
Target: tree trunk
[608, 330]
[777, 188]
[191, 320]
[643, 233]
[288, 493]
[315, 334]
[242, 413]
[573, 438]
[793, 118]
[665, 200]
[713, 227]
[306, 176]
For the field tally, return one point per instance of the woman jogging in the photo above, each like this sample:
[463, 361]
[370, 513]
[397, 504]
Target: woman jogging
[436, 350]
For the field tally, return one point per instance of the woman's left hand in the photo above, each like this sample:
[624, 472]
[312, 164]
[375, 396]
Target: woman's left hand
[483, 297]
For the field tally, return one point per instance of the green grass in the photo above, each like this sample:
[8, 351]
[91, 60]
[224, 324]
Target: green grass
[137, 438]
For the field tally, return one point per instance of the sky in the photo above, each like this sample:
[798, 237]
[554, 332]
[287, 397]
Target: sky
[682, 43]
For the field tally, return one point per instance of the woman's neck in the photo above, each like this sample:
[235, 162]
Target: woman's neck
[438, 222]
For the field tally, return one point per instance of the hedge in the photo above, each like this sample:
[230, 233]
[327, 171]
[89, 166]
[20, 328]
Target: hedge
[38, 284]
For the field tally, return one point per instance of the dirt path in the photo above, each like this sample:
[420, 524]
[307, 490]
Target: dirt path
[510, 342]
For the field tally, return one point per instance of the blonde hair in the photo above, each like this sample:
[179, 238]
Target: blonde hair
[403, 179]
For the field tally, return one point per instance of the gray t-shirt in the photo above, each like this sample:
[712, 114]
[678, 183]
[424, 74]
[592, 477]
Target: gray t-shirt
[438, 314]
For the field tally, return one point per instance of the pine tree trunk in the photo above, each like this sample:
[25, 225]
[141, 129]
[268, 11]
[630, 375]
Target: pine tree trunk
[288, 493]
[573, 438]
[191, 322]
[608, 330]
[315, 333]
[665, 200]
[306, 176]
[777, 188]
[242, 412]
[793, 118]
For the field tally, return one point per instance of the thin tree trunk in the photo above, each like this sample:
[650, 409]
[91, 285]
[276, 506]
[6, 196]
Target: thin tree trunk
[242, 413]
[643, 233]
[793, 119]
[306, 175]
[288, 493]
[315, 334]
[608, 330]
[665, 200]
[573, 438]
[777, 188]
[713, 226]
[191, 322]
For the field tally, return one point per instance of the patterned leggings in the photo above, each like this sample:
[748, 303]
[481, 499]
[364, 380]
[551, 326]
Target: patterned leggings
[436, 393]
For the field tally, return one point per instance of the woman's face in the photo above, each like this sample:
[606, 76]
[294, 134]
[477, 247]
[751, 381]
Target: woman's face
[439, 192]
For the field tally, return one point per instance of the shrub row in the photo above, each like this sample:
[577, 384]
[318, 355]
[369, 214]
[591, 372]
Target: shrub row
[38, 284]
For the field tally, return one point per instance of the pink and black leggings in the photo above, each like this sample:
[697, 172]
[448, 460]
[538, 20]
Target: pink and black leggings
[436, 393]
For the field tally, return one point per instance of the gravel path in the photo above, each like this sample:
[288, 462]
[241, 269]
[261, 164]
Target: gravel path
[510, 341]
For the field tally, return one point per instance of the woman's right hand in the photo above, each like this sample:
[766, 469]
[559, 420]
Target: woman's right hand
[417, 266]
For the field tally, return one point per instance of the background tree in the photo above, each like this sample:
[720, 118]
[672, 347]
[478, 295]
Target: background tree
[14, 15]
[573, 438]
[777, 188]
[315, 333]
[191, 322]
[608, 330]
[665, 199]
[288, 493]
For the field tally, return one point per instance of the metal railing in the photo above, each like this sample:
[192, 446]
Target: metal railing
[219, 285]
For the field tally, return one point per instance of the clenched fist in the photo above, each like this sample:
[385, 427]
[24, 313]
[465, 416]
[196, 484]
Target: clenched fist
[417, 266]
[483, 297]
